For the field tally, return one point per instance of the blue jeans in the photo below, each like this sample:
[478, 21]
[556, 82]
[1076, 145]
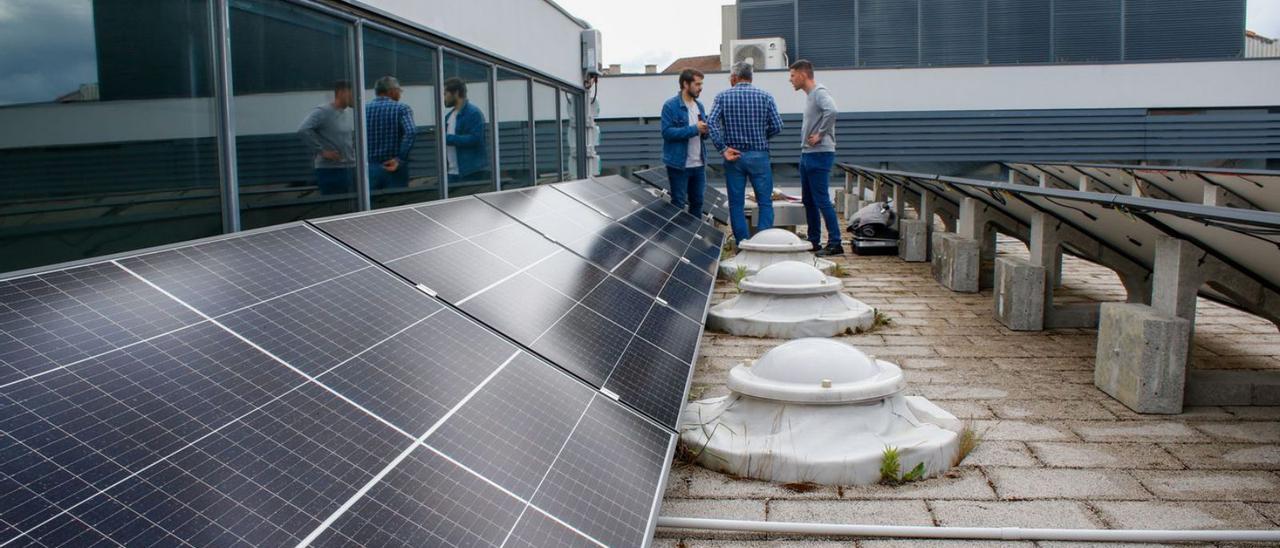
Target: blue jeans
[380, 178]
[336, 180]
[815, 193]
[687, 187]
[753, 165]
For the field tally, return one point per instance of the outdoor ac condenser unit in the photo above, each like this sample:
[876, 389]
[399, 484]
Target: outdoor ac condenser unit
[763, 53]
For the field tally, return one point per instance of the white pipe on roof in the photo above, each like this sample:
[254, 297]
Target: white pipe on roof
[972, 533]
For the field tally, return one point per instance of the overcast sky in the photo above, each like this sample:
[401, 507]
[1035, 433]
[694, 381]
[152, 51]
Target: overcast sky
[660, 31]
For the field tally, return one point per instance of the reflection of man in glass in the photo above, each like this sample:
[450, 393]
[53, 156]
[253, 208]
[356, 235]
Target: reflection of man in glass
[327, 132]
[391, 133]
[467, 155]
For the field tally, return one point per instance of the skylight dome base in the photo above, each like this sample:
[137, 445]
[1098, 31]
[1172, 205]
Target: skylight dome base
[789, 300]
[769, 247]
[818, 410]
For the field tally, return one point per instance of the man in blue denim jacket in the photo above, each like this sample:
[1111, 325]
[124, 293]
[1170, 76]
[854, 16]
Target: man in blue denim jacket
[682, 150]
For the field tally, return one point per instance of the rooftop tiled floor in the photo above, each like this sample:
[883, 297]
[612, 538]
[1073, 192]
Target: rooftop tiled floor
[1057, 452]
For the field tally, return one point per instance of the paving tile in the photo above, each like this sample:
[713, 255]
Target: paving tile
[1060, 483]
[950, 392]
[1227, 456]
[1124, 456]
[1211, 485]
[861, 512]
[1031, 409]
[703, 483]
[964, 483]
[1000, 453]
[1256, 412]
[1043, 364]
[1010, 430]
[966, 409]
[1269, 509]
[1129, 431]
[1252, 432]
[1188, 413]
[1039, 514]
[1180, 515]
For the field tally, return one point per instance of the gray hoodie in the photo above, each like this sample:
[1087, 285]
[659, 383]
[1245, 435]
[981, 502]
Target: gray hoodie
[819, 117]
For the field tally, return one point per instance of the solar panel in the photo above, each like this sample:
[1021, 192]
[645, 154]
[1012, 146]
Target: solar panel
[1257, 189]
[58, 318]
[265, 479]
[515, 454]
[611, 448]
[313, 396]
[714, 201]
[224, 275]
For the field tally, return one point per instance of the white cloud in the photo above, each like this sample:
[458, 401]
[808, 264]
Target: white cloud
[652, 32]
[1264, 17]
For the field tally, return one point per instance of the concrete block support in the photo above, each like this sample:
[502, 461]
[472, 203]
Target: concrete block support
[974, 223]
[955, 262]
[1217, 387]
[1019, 294]
[1141, 358]
[913, 240]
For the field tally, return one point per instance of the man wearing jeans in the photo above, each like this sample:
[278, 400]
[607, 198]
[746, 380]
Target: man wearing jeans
[742, 120]
[817, 154]
[683, 129]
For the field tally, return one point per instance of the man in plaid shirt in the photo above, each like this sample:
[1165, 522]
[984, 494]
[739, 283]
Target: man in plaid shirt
[743, 119]
[391, 134]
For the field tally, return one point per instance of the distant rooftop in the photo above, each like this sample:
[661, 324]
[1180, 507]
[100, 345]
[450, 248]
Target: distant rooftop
[704, 63]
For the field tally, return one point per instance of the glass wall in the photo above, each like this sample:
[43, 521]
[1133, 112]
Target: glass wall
[295, 142]
[103, 149]
[388, 111]
[569, 136]
[547, 133]
[112, 116]
[468, 131]
[514, 139]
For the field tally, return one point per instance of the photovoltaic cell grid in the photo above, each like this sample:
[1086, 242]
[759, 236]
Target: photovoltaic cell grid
[284, 395]
[580, 314]
[714, 201]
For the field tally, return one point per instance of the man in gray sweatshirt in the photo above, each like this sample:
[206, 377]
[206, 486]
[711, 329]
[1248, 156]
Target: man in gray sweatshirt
[817, 155]
[327, 132]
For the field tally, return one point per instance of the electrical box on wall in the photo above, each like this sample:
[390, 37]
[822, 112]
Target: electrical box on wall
[591, 64]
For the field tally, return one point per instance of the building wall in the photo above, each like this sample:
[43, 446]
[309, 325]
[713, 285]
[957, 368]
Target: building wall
[534, 33]
[1134, 112]
[883, 33]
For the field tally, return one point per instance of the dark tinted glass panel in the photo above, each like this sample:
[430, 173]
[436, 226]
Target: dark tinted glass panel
[547, 131]
[104, 149]
[468, 116]
[514, 136]
[408, 101]
[295, 142]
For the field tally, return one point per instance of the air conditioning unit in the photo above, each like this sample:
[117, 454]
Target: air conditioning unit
[763, 53]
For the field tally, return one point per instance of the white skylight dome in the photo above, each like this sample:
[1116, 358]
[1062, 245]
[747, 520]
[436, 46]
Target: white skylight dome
[788, 300]
[771, 246]
[818, 410]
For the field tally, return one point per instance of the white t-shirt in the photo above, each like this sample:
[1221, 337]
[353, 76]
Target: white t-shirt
[694, 157]
[451, 152]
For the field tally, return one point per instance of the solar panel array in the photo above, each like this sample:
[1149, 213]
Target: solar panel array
[714, 201]
[1130, 226]
[277, 387]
